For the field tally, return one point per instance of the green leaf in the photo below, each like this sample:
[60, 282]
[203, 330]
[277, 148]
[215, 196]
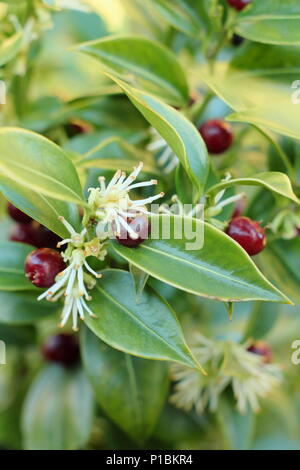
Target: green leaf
[58, 410]
[152, 66]
[140, 279]
[22, 308]
[130, 390]
[41, 208]
[114, 153]
[280, 262]
[148, 329]
[270, 21]
[12, 260]
[237, 428]
[37, 163]
[269, 72]
[273, 180]
[179, 15]
[220, 270]
[262, 319]
[178, 132]
[10, 48]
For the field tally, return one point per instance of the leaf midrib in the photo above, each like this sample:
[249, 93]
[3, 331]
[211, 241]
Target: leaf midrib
[137, 320]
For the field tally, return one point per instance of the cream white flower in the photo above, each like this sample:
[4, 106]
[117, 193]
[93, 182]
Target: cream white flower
[226, 363]
[167, 158]
[112, 204]
[73, 283]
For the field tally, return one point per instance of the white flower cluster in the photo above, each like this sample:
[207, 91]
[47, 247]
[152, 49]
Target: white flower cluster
[111, 205]
[226, 363]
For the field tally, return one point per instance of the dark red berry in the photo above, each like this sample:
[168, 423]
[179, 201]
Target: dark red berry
[237, 40]
[43, 265]
[62, 348]
[217, 135]
[248, 233]
[44, 237]
[141, 226]
[18, 215]
[238, 4]
[262, 349]
[25, 233]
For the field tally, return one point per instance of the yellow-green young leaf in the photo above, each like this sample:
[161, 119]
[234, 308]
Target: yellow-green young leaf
[147, 328]
[114, 153]
[257, 84]
[58, 410]
[130, 390]
[270, 21]
[179, 133]
[152, 66]
[38, 164]
[280, 262]
[12, 260]
[41, 208]
[10, 48]
[220, 270]
[273, 180]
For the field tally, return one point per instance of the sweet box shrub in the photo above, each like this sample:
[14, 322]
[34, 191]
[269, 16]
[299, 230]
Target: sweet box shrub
[149, 179]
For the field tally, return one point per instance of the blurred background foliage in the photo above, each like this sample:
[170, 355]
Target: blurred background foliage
[68, 86]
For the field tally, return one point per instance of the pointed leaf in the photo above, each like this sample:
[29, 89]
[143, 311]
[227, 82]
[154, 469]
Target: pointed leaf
[221, 269]
[273, 180]
[154, 68]
[38, 164]
[148, 329]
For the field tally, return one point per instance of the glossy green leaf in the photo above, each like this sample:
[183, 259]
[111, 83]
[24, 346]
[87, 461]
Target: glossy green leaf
[152, 66]
[114, 153]
[221, 269]
[148, 329]
[10, 48]
[280, 262]
[38, 164]
[22, 308]
[273, 180]
[257, 84]
[130, 390]
[12, 259]
[270, 21]
[40, 207]
[58, 410]
[178, 132]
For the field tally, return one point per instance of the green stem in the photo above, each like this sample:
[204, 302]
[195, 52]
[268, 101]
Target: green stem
[199, 107]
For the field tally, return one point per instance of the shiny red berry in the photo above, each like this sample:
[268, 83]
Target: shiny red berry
[262, 349]
[248, 233]
[217, 135]
[62, 348]
[18, 215]
[24, 233]
[140, 225]
[238, 4]
[43, 265]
